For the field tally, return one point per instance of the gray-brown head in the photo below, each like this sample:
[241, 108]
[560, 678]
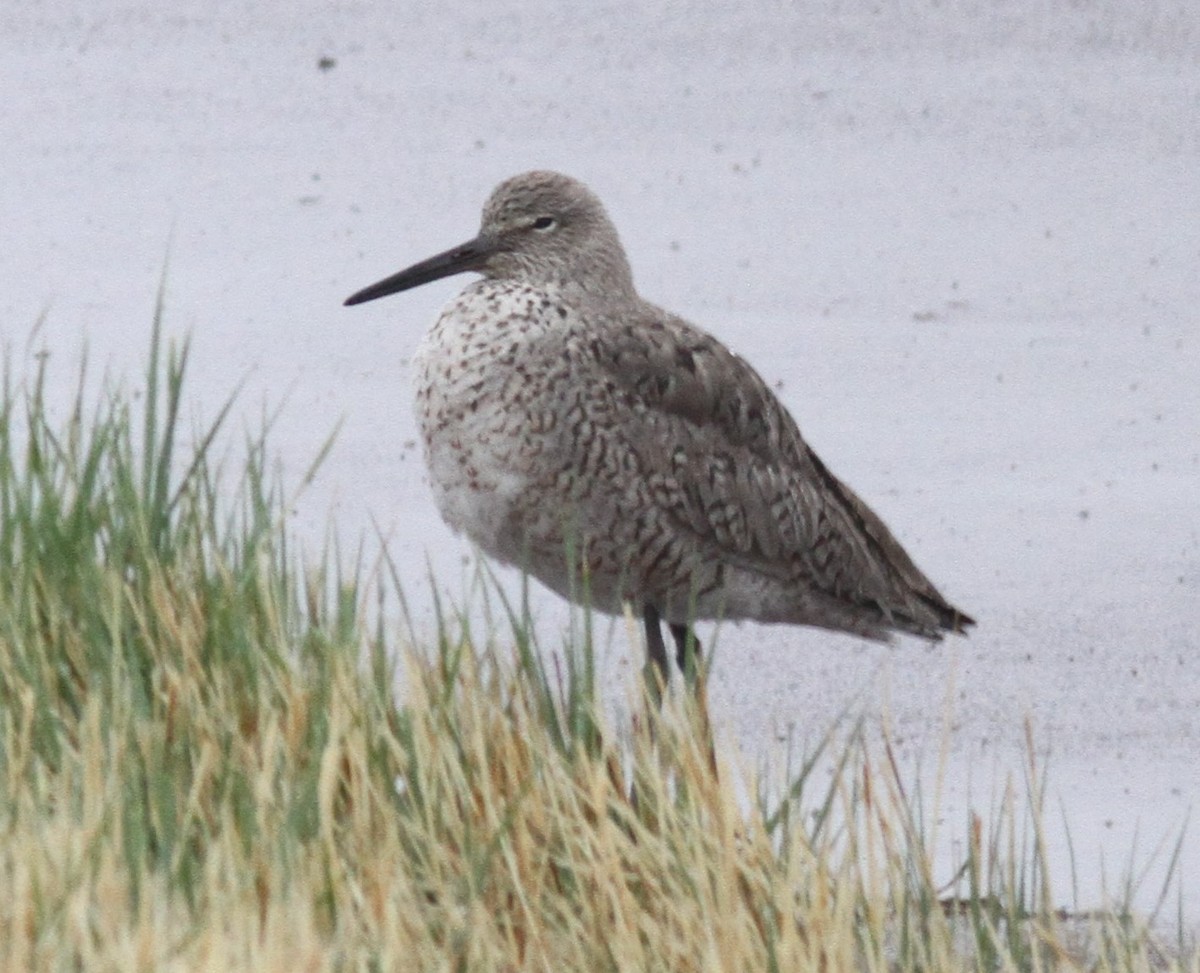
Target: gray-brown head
[539, 228]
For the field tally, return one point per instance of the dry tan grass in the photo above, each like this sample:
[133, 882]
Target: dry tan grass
[205, 764]
[452, 829]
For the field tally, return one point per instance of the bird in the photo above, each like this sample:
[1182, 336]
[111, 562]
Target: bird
[624, 456]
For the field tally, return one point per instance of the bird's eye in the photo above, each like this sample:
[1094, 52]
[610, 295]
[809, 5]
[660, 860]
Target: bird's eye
[545, 223]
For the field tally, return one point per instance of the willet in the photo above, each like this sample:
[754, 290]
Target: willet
[622, 455]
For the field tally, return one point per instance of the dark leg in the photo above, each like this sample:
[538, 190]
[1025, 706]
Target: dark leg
[687, 650]
[657, 675]
[655, 647]
[691, 663]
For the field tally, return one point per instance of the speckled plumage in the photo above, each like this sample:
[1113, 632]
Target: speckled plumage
[577, 431]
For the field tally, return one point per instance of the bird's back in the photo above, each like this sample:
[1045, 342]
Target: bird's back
[796, 544]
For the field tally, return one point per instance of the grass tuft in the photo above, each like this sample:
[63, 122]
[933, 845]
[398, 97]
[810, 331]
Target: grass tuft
[209, 759]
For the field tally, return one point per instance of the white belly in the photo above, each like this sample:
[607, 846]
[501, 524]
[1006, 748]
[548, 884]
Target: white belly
[475, 490]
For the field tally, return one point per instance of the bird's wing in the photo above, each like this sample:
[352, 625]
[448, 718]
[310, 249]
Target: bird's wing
[735, 469]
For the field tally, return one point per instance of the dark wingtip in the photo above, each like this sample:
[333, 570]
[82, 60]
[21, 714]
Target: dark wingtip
[949, 618]
[959, 622]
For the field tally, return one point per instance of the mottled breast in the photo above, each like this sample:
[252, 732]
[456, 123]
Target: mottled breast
[482, 380]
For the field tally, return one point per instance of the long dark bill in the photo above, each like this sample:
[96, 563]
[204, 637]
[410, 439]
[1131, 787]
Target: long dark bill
[467, 256]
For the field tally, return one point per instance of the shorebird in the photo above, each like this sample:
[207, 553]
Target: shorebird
[624, 456]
